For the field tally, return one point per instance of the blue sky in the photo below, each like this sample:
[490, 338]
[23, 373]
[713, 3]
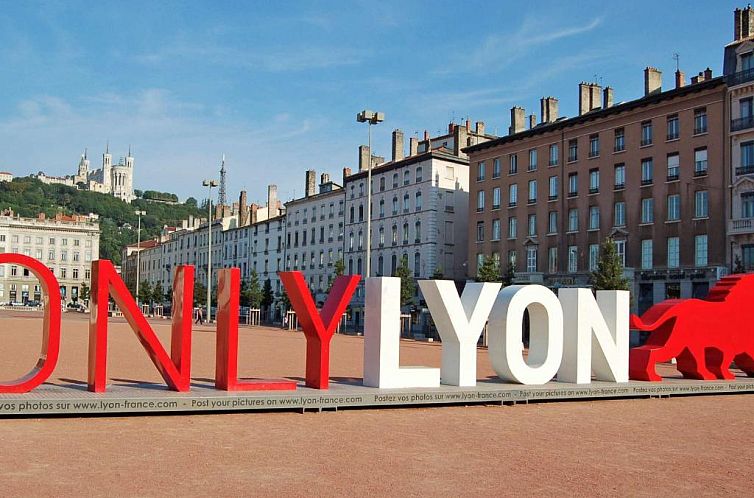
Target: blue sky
[276, 85]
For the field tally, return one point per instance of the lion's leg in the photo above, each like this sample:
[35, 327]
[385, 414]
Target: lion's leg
[718, 362]
[745, 361]
[691, 363]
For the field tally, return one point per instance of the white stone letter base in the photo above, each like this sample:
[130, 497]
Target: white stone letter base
[460, 322]
[545, 338]
[595, 336]
[382, 336]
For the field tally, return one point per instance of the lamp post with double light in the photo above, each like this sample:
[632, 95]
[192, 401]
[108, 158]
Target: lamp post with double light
[209, 184]
[139, 214]
[371, 118]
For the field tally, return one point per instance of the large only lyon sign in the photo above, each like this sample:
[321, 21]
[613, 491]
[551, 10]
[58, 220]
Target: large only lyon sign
[573, 335]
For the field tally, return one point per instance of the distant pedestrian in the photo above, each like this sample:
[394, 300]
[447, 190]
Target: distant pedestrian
[199, 316]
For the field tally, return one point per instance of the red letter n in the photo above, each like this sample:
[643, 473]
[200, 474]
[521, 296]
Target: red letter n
[318, 329]
[176, 368]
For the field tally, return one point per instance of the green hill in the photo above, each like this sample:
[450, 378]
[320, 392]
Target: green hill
[29, 197]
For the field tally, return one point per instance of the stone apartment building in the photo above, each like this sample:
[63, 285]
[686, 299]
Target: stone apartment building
[738, 67]
[419, 208]
[314, 232]
[66, 244]
[650, 173]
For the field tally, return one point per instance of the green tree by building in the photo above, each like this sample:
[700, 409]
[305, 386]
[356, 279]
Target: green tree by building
[489, 271]
[510, 274]
[609, 273]
[408, 284]
[145, 292]
[267, 295]
[340, 269]
[158, 295]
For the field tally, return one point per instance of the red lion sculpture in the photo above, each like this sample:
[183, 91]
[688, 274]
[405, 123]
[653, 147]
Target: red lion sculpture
[704, 335]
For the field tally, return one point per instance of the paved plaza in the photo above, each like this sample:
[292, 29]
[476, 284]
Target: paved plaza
[681, 445]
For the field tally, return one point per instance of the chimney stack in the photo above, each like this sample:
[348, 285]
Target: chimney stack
[311, 183]
[595, 96]
[324, 178]
[364, 154]
[548, 109]
[346, 174]
[607, 97]
[243, 213]
[413, 146]
[707, 74]
[397, 145]
[746, 23]
[272, 200]
[652, 81]
[479, 128]
[426, 135]
[517, 120]
[468, 125]
[737, 18]
[532, 121]
[680, 79]
[584, 94]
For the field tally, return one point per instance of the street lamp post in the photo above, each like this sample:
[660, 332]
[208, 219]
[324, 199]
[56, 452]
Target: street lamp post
[209, 184]
[371, 118]
[138, 252]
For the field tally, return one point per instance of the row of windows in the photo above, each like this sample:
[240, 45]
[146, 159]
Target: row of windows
[619, 180]
[16, 271]
[312, 240]
[50, 240]
[397, 207]
[619, 145]
[394, 239]
[305, 218]
[394, 263]
[673, 214]
[418, 178]
[573, 253]
[313, 260]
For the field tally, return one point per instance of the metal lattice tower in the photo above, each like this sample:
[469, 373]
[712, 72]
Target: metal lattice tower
[221, 198]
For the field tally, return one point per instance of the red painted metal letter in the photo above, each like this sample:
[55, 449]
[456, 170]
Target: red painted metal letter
[176, 368]
[318, 329]
[48, 356]
[226, 350]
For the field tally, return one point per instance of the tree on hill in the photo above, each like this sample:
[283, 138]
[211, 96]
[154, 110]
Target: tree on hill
[489, 271]
[609, 273]
[408, 284]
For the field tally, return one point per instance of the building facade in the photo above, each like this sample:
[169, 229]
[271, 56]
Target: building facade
[650, 173]
[738, 66]
[66, 244]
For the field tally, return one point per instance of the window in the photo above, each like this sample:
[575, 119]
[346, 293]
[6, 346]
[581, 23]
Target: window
[594, 256]
[532, 159]
[648, 210]
[747, 159]
[619, 218]
[496, 198]
[479, 231]
[700, 161]
[646, 254]
[553, 155]
[407, 177]
[573, 150]
[552, 222]
[480, 171]
[746, 108]
[495, 168]
[405, 231]
[480, 201]
[553, 188]
[573, 259]
[673, 127]
[417, 264]
[512, 227]
[513, 167]
[418, 201]
[418, 232]
[573, 220]
[382, 186]
[382, 236]
[701, 204]
[747, 205]
[418, 174]
[594, 181]
[382, 208]
[394, 234]
[620, 176]
[594, 217]
[532, 225]
[395, 205]
[700, 121]
[573, 184]
[646, 133]
[532, 191]
[620, 249]
[405, 203]
[673, 167]
[594, 145]
[552, 259]
[700, 250]
[620, 140]
[495, 229]
[512, 194]
[673, 252]
[450, 172]
[395, 180]
[674, 207]
[531, 259]
[646, 171]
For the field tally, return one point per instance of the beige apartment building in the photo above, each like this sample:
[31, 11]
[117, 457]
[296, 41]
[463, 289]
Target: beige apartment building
[66, 244]
[651, 173]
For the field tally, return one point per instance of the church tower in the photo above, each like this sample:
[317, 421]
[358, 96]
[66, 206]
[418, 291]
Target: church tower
[107, 166]
[82, 176]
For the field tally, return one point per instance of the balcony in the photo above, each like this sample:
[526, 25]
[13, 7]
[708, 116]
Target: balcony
[745, 170]
[741, 226]
[742, 123]
[741, 77]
